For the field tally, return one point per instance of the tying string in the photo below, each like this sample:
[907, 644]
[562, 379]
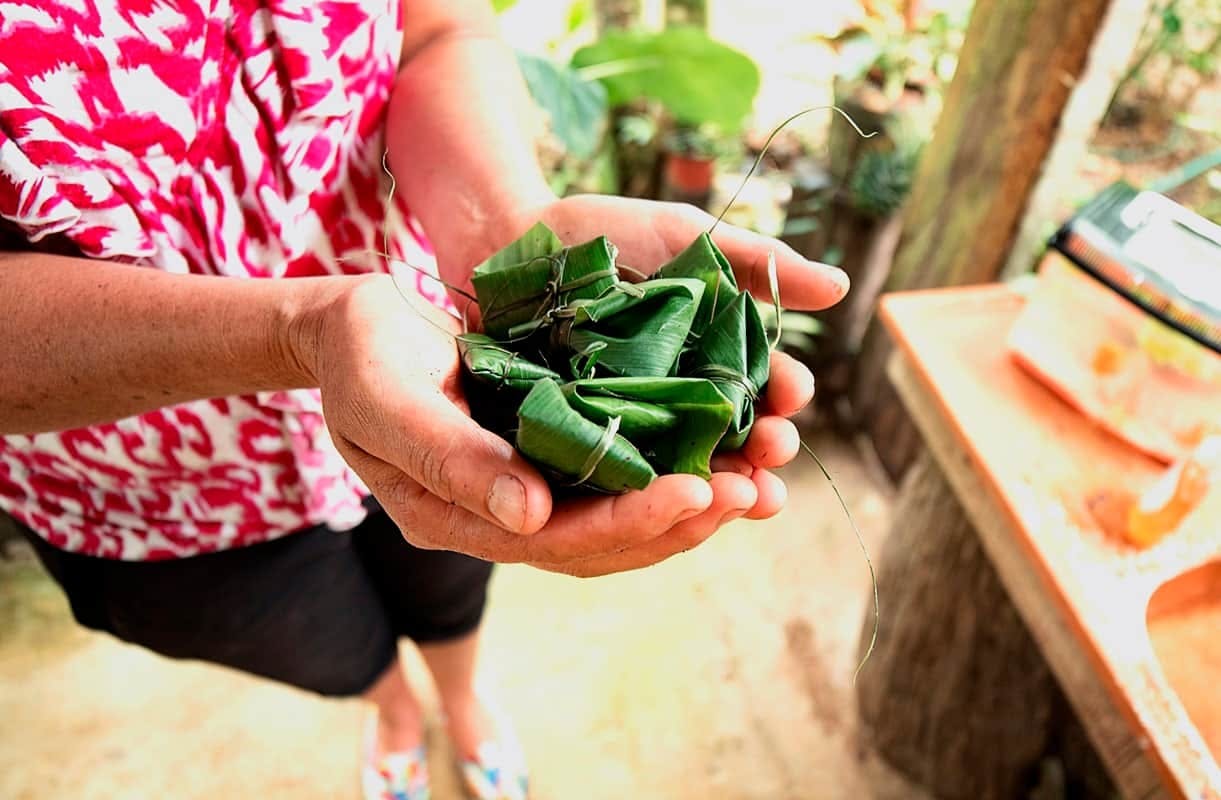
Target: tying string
[877, 614]
[773, 283]
[768, 143]
[599, 452]
[553, 290]
[774, 286]
[718, 373]
[583, 361]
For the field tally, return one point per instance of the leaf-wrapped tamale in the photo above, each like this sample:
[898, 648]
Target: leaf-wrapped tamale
[558, 438]
[495, 364]
[705, 262]
[537, 274]
[636, 330]
[622, 381]
[734, 354]
[676, 422]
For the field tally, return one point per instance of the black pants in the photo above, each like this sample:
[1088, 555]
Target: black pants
[316, 609]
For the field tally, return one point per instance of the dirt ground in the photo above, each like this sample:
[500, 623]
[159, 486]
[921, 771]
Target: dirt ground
[721, 673]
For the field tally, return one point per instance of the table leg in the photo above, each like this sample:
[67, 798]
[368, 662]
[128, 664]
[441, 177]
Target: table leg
[957, 695]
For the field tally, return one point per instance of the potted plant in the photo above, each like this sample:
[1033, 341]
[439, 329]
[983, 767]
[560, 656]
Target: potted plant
[690, 154]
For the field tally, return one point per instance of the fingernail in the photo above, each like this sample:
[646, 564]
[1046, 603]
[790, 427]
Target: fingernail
[507, 502]
[732, 515]
[840, 278]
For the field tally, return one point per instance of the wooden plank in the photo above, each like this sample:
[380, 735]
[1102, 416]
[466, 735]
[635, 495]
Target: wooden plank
[1104, 722]
[1022, 462]
[949, 635]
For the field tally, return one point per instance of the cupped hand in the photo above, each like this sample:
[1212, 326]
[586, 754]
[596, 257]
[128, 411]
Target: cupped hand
[650, 233]
[388, 370]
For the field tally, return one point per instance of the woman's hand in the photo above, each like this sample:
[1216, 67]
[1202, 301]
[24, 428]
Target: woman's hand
[389, 374]
[462, 150]
[648, 234]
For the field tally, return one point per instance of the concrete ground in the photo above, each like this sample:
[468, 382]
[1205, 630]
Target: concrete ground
[723, 673]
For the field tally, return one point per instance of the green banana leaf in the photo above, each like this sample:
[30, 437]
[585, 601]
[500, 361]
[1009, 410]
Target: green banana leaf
[621, 381]
[735, 355]
[704, 261]
[493, 363]
[676, 422]
[558, 438]
[537, 274]
[634, 330]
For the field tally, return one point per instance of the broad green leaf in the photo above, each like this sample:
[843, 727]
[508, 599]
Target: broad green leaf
[544, 276]
[637, 331]
[676, 422]
[502, 5]
[638, 420]
[698, 79]
[560, 440]
[497, 365]
[538, 241]
[576, 107]
[704, 261]
[734, 354]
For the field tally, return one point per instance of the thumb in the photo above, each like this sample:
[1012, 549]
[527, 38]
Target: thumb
[453, 458]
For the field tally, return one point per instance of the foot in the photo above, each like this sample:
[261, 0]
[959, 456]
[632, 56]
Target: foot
[469, 724]
[489, 757]
[393, 770]
[398, 733]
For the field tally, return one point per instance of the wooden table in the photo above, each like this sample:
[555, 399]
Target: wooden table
[1021, 462]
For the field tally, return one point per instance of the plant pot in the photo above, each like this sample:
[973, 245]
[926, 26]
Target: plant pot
[690, 174]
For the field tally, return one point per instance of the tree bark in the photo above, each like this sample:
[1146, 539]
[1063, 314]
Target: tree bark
[1015, 73]
[956, 695]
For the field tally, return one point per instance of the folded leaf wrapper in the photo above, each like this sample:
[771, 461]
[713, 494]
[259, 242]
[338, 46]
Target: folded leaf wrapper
[612, 382]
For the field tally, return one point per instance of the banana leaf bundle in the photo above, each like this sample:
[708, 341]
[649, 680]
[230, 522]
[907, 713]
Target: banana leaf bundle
[604, 383]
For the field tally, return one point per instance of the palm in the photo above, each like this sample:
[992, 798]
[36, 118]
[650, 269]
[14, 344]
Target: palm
[648, 234]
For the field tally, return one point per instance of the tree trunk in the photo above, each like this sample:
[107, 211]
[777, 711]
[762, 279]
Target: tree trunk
[956, 695]
[1001, 116]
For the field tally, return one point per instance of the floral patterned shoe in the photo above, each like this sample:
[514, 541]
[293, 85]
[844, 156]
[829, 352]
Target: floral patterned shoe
[498, 772]
[395, 776]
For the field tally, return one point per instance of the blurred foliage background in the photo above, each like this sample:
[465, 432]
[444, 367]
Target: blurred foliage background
[674, 99]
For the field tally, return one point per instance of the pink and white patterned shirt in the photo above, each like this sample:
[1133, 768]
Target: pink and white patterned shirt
[221, 137]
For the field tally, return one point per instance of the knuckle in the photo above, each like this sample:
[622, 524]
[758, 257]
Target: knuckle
[403, 495]
[433, 466]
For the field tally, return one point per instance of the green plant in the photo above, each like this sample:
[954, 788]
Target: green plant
[576, 107]
[703, 141]
[886, 50]
[1178, 36]
[695, 78]
[676, 78]
[882, 178]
